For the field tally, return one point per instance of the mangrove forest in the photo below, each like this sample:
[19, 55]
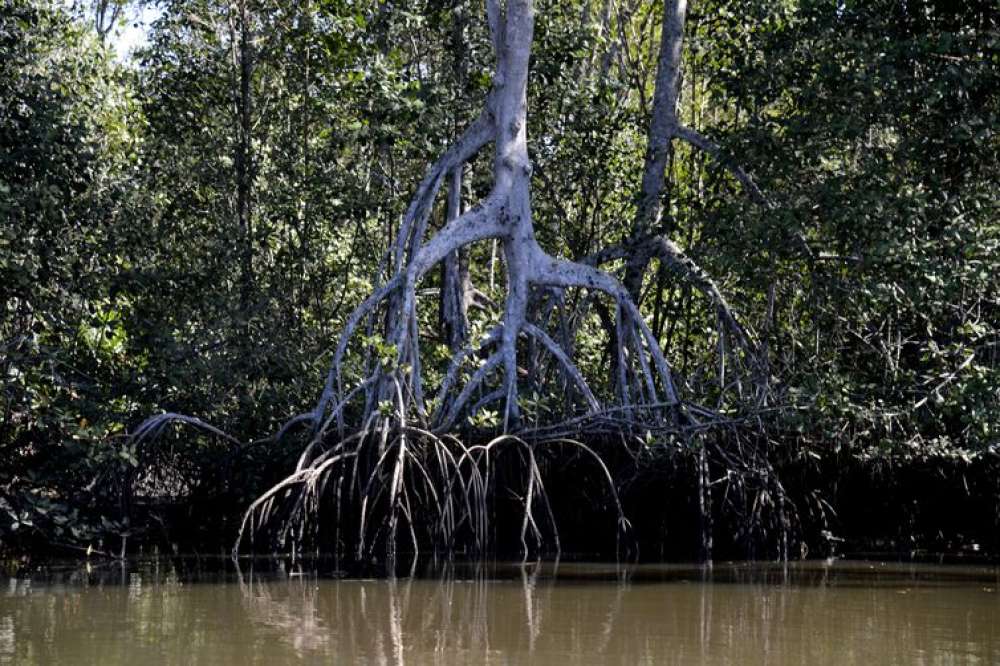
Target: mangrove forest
[631, 280]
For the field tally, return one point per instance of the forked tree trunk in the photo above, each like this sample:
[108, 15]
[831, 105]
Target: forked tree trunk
[650, 236]
[506, 216]
[659, 141]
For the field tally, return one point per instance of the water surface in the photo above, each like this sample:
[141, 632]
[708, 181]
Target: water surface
[840, 613]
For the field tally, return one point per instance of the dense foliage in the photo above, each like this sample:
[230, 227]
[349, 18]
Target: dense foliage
[187, 231]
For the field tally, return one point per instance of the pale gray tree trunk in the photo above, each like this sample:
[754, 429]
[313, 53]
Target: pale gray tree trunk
[664, 127]
[659, 140]
[505, 215]
[649, 237]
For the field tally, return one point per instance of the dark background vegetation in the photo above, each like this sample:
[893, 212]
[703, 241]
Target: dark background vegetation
[166, 247]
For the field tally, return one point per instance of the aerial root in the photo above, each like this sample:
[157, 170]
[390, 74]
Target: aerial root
[644, 377]
[415, 489]
[153, 427]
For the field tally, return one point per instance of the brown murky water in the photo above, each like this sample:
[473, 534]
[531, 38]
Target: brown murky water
[844, 613]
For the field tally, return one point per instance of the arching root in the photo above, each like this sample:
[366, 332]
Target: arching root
[410, 489]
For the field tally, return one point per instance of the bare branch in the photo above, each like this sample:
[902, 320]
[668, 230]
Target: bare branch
[707, 145]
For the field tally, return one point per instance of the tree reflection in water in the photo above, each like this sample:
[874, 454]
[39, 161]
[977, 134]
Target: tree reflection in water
[542, 613]
[609, 615]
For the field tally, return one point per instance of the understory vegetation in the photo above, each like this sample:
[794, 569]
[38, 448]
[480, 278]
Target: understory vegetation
[634, 277]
